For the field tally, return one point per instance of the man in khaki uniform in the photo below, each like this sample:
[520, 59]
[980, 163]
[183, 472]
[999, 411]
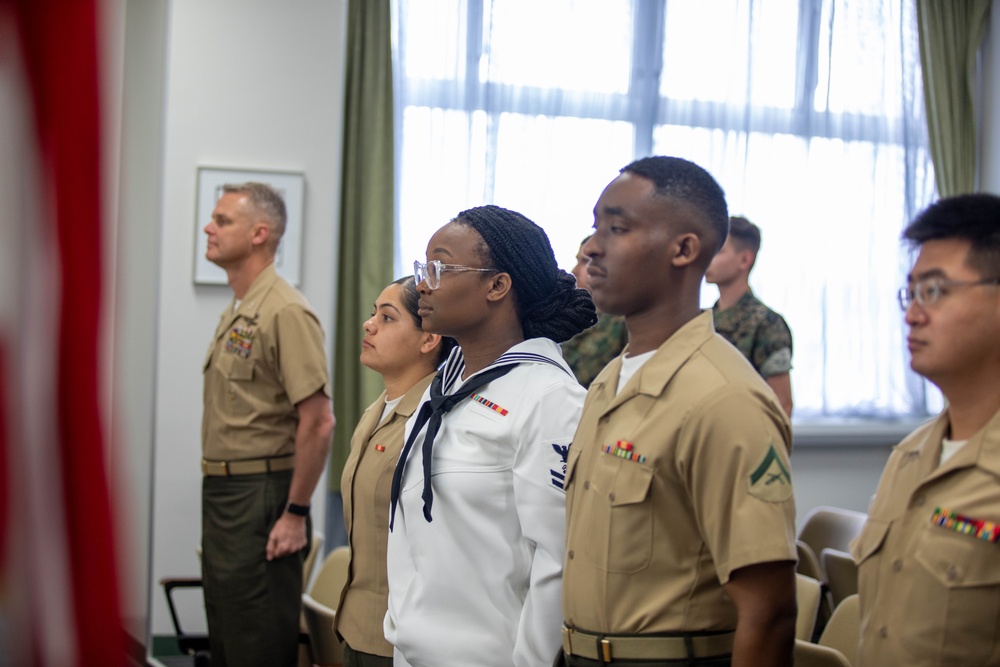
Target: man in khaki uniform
[929, 555]
[680, 539]
[266, 432]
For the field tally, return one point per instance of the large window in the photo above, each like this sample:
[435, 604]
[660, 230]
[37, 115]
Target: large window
[808, 113]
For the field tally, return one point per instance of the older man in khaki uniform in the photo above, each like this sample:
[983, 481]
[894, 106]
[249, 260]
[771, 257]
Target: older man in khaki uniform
[929, 554]
[680, 540]
[266, 432]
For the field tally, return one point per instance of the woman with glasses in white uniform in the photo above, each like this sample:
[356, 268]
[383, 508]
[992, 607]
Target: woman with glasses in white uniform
[477, 516]
[406, 357]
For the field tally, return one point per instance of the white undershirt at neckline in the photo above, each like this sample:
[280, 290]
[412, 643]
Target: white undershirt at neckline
[949, 448]
[630, 365]
[389, 407]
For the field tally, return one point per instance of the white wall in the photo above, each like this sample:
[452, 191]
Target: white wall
[135, 132]
[255, 85]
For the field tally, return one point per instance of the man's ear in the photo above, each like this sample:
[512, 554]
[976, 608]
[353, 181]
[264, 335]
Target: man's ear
[685, 249]
[429, 341]
[500, 284]
[746, 260]
[261, 233]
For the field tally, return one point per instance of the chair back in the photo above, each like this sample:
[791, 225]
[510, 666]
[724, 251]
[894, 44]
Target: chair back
[331, 577]
[831, 527]
[319, 607]
[807, 595]
[808, 561]
[814, 655]
[841, 573]
[309, 564]
[843, 631]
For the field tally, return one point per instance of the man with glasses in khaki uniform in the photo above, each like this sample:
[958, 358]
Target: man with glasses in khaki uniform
[681, 537]
[266, 432]
[929, 554]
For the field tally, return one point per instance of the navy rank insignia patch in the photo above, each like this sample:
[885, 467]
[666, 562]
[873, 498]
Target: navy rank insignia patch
[559, 473]
[240, 341]
[770, 480]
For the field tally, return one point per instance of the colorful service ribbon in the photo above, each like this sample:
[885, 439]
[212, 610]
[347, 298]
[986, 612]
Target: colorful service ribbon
[623, 450]
[479, 398]
[988, 531]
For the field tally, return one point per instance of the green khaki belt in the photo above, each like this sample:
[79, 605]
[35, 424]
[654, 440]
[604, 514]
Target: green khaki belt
[612, 647]
[247, 466]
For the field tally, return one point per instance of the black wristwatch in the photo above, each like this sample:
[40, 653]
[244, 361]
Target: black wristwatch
[297, 510]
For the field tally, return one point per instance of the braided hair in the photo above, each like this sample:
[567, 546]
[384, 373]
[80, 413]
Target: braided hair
[549, 304]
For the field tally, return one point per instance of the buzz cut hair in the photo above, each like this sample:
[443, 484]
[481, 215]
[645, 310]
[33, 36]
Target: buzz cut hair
[686, 182]
[745, 234]
[267, 201]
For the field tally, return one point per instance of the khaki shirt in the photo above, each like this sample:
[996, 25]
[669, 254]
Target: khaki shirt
[930, 595]
[264, 359]
[367, 488]
[651, 541]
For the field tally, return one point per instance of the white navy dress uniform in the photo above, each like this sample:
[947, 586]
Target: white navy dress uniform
[481, 582]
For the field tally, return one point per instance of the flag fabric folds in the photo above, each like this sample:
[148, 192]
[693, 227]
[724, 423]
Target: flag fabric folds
[59, 601]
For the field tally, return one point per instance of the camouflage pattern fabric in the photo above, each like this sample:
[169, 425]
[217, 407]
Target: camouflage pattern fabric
[758, 332]
[588, 352]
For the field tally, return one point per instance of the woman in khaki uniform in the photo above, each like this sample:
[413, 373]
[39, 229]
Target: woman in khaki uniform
[407, 358]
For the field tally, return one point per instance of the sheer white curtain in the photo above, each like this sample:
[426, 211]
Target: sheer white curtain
[809, 113]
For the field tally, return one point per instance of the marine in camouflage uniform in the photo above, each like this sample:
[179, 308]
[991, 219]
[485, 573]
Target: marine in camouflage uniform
[588, 352]
[758, 332]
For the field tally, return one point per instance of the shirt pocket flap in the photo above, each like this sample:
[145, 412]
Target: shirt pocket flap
[870, 540]
[957, 560]
[632, 485]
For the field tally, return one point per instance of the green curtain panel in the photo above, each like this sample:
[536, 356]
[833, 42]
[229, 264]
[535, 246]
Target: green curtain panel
[365, 258]
[950, 34]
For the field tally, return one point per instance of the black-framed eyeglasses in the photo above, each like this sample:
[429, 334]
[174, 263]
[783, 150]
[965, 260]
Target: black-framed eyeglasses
[432, 270]
[928, 291]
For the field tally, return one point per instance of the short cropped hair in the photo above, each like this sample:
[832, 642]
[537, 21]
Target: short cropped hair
[974, 218]
[745, 234]
[680, 179]
[265, 200]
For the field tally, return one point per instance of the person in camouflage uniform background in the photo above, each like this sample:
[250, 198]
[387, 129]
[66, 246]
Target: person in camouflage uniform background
[588, 352]
[761, 334]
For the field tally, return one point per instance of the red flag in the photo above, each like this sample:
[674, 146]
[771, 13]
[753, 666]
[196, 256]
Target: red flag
[58, 582]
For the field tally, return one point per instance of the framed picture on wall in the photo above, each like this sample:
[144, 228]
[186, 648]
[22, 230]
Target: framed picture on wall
[291, 185]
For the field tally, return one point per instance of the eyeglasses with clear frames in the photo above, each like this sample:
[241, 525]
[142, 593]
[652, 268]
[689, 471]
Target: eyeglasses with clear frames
[929, 291]
[432, 270]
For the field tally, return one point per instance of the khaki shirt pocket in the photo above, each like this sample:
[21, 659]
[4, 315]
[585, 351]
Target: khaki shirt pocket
[238, 374]
[621, 533]
[953, 597]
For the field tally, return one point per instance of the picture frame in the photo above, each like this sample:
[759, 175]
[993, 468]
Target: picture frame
[291, 185]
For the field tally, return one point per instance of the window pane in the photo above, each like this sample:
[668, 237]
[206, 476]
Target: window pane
[830, 214]
[860, 70]
[731, 51]
[430, 49]
[546, 170]
[443, 160]
[579, 45]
